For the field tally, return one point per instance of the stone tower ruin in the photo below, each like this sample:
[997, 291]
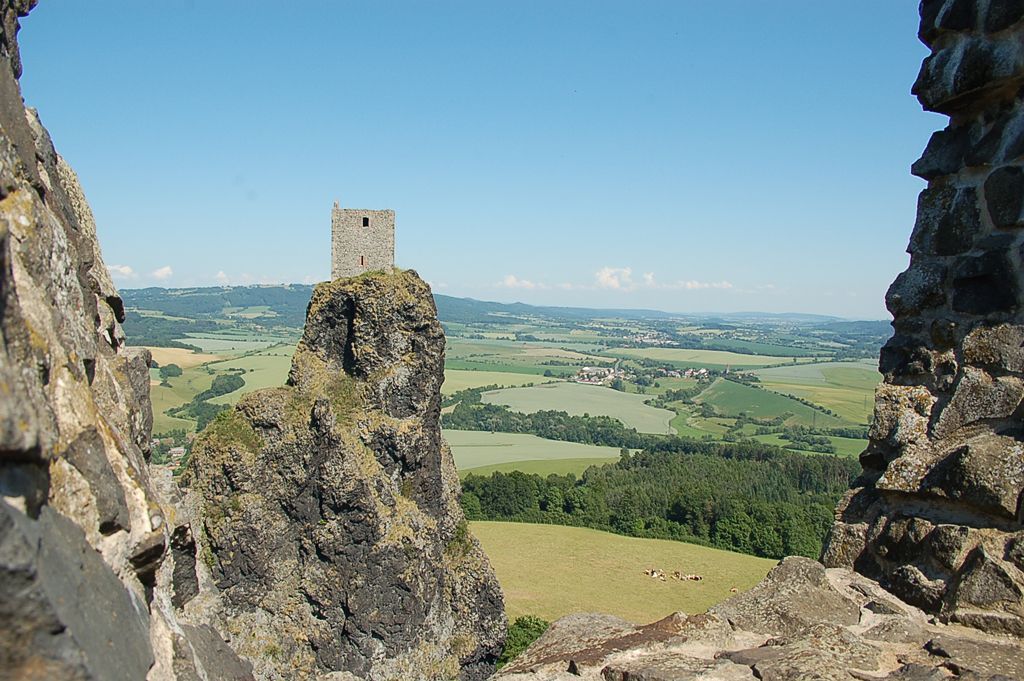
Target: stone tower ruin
[361, 241]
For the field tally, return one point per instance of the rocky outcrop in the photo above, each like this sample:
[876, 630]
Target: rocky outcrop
[82, 533]
[328, 515]
[936, 516]
[321, 536]
[801, 622]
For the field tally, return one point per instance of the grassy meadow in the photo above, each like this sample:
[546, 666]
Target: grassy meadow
[550, 571]
[267, 368]
[847, 388]
[516, 357]
[730, 398]
[579, 399]
[473, 449]
[460, 379]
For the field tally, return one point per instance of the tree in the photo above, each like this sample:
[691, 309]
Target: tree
[471, 506]
[170, 371]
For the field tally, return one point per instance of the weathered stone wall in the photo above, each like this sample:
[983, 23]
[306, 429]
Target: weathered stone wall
[936, 515]
[357, 247]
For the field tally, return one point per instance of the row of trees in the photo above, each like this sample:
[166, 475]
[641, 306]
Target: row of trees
[553, 425]
[744, 497]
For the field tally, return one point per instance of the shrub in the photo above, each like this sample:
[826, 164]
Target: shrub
[521, 633]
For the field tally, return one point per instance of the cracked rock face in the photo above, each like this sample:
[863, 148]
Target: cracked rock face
[83, 535]
[937, 512]
[330, 522]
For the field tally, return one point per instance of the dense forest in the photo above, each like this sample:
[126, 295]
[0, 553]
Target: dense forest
[744, 497]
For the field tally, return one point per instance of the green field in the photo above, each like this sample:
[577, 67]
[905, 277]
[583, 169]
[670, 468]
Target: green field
[264, 369]
[730, 398]
[458, 379]
[579, 399]
[515, 357]
[550, 571]
[183, 388]
[712, 359]
[473, 449]
[847, 388]
[845, 446]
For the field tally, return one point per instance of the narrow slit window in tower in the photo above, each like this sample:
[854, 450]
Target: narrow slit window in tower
[362, 261]
[366, 222]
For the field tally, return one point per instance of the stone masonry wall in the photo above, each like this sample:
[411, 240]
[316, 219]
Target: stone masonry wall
[357, 247]
[936, 515]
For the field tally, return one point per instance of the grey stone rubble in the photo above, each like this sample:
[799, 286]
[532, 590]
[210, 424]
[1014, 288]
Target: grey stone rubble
[926, 558]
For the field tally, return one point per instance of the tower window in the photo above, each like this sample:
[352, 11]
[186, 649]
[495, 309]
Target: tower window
[362, 261]
[366, 222]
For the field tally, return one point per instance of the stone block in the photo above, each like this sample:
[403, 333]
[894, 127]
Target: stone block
[947, 220]
[987, 473]
[998, 347]
[958, 77]
[944, 154]
[88, 455]
[985, 284]
[978, 396]
[986, 583]
[946, 545]
[920, 287]
[1004, 196]
[1003, 14]
[64, 614]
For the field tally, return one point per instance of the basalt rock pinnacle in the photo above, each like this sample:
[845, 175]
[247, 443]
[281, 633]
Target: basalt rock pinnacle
[329, 514]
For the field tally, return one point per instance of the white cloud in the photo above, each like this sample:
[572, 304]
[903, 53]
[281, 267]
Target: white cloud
[616, 278]
[621, 279]
[222, 278]
[121, 272]
[512, 281]
[162, 273]
[694, 285]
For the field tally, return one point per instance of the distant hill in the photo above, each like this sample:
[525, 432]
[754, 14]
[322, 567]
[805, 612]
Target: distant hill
[166, 316]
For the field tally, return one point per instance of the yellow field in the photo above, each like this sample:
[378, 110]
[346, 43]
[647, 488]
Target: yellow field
[550, 571]
[180, 356]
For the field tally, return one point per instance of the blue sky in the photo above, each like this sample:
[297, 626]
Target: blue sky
[687, 156]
